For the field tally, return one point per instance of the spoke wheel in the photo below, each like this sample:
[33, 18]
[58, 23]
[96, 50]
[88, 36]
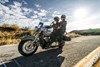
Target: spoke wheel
[27, 47]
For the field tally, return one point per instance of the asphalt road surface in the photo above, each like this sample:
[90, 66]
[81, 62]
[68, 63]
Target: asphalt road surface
[69, 55]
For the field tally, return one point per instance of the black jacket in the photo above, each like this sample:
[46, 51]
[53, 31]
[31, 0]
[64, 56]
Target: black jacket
[63, 26]
[55, 25]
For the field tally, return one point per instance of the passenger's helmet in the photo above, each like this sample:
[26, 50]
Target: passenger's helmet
[63, 16]
[56, 18]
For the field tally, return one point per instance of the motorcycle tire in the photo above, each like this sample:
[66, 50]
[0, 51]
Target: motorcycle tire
[21, 48]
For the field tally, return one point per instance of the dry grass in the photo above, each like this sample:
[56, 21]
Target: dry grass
[97, 64]
[73, 35]
[12, 37]
[8, 38]
[11, 34]
[4, 41]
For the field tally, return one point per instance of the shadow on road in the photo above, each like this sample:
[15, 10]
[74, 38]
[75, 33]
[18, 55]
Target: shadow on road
[48, 58]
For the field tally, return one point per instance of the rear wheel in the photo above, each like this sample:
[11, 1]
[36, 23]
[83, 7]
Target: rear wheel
[27, 48]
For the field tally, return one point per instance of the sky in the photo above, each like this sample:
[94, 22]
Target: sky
[80, 14]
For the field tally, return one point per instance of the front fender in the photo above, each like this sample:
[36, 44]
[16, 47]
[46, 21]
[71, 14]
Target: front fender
[28, 37]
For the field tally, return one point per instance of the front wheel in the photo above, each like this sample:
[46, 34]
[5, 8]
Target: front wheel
[27, 48]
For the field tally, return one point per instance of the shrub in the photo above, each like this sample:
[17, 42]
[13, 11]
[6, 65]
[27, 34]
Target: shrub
[5, 25]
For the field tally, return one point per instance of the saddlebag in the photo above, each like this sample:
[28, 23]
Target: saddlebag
[66, 38]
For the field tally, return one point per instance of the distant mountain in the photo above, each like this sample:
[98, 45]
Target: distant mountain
[87, 31]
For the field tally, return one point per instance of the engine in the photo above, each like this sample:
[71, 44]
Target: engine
[47, 31]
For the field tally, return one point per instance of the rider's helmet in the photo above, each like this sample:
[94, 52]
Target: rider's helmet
[56, 18]
[63, 16]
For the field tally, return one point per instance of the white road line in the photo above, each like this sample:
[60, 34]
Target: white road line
[12, 60]
[17, 63]
[3, 63]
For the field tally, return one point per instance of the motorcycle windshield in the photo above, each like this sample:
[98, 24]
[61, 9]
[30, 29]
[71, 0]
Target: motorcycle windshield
[40, 25]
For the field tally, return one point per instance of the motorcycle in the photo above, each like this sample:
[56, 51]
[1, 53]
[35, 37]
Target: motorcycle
[41, 37]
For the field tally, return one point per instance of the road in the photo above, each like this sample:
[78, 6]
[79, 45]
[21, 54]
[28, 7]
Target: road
[69, 55]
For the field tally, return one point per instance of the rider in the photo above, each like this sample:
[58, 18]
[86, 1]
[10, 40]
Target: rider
[59, 28]
[55, 24]
[63, 24]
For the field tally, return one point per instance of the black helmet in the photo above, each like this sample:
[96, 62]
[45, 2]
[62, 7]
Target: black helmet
[63, 16]
[56, 18]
